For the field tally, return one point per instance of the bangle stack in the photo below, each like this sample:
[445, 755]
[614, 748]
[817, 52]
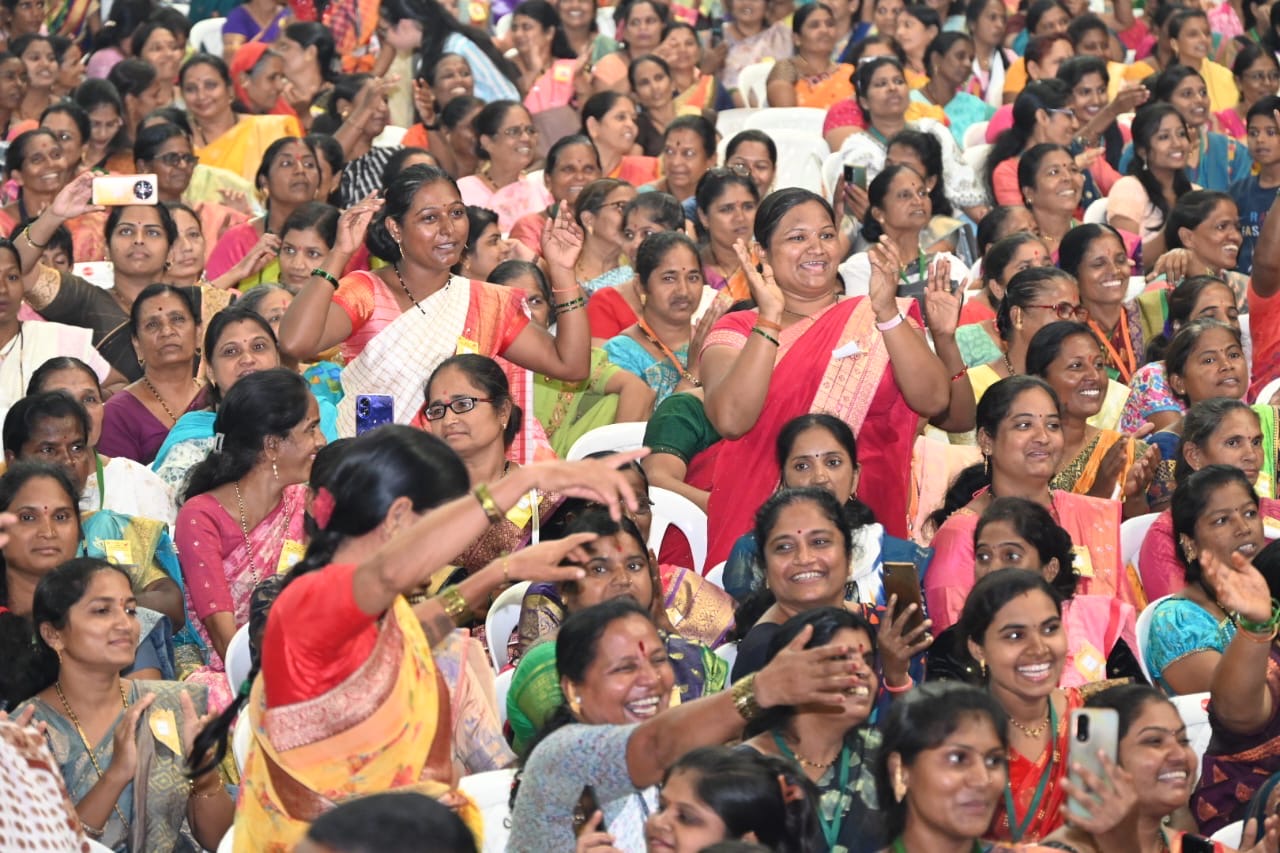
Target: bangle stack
[571, 305]
[487, 503]
[1260, 632]
[744, 697]
[455, 606]
[327, 276]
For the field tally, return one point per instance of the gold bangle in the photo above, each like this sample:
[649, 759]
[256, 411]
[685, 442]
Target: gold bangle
[487, 503]
[744, 697]
[26, 235]
[93, 833]
[455, 606]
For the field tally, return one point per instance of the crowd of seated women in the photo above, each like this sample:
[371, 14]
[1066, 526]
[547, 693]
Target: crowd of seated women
[970, 435]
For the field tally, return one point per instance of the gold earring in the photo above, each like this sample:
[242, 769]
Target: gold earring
[275, 472]
[899, 786]
[982, 668]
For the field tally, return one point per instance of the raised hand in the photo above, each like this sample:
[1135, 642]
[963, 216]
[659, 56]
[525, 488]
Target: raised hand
[1141, 473]
[1174, 265]
[886, 270]
[1110, 798]
[541, 563]
[255, 260]
[941, 305]
[798, 676]
[768, 296]
[354, 222]
[597, 480]
[1239, 587]
[898, 645]
[75, 199]
[192, 723]
[236, 200]
[124, 749]
[424, 101]
[562, 240]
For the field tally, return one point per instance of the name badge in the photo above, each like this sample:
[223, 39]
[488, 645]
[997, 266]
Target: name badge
[1083, 561]
[1090, 663]
[164, 727]
[520, 514]
[290, 555]
[118, 552]
[466, 345]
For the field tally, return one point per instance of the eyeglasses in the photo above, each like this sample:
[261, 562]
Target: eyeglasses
[616, 205]
[1069, 113]
[740, 168]
[520, 130]
[1263, 76]
[173, 159]
[64, 135]
[459, 406]
[1066, 311]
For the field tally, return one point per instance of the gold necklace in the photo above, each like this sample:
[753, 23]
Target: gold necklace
[1032, 731]
[159, 399]
[75, 721]
[810, 316]
[804, 762]
[244, 531]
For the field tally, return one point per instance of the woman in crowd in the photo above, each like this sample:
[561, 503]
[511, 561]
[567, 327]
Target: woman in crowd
[727, 203]
[506, 142]
[361, 312]
[435, 31]
[1257, 74]
[108, 145]
[482, 436]
[324, 378]
[252, 21]
[243, 508]
[1216, 431]
[1041, 114]
[688, 150]
[650, 78]
[987, 20]
[436, 86]
[1020, 436]
[257, 75]
[661, 346]
[1195, 298]
[1023, 669]
[307, 49]
[616, 565]
[614, 308]
[598, 212]
[569, 410]
[125, 785]
[1095, 254]
[139, 89]
[836, 747]
[753, 153]
[572, 163]
[288, 176]
[164, 328]
[811, 78]
[1215, 509]
[306, 238]
[693, 88]
[119, 484]
[1191, 39]
[1098, 462]
[544, 58]
[620, 745]
[755, 384]
[162, 43]
[186, 266]
[639, 31]
[609, 120]
[486, 247]
[70, 124]
[751, 38]
[578, 21]
[358, 112]
[1205, 226]
[1091, 80]
[222, 137]
[1242, 752]
[396, 509]
[1139, 203]
[36, 163]
[1214, 161]
[949, 58]
[1004, 258]
[36, 53]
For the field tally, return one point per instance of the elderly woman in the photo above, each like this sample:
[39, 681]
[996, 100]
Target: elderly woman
[506, 141]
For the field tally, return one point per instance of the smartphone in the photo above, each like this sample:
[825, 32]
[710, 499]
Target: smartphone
[116, 190]
[856, 176]
[374, 410]
[1091, 730]
[588, 804]
[900, 579]
[717, 33]
[1196, 844]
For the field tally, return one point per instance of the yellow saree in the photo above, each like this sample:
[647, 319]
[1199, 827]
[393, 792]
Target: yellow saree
[240, 149]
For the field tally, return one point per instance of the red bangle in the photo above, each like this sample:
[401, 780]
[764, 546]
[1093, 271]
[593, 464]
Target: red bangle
[960, 375]
[903, 689]
[768, 325]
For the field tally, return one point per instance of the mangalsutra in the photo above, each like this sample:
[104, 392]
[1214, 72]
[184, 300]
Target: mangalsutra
[408, 292]
[75, 721]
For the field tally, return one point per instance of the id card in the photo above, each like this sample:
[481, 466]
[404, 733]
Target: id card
[290, 555]
[1083, 561]
[118, 552]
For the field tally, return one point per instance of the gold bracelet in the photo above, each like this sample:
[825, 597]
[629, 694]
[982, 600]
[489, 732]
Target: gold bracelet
[455, 606]
[26, 235]
[744, 697]
[95, 834]
[487, 503]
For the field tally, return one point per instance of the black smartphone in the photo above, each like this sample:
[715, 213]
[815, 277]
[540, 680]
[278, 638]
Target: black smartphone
[717, 33]
[374, 410]
[588, 805]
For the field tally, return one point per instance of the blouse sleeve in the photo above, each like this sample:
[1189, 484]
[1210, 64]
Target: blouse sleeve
[512, 318]
[355, 297]
[950, 576]
[1180, 628]
[608, 313]
[1004, 180]
[199, 540]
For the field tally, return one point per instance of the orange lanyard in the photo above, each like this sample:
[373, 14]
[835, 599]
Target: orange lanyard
[1130, 363]
[666, 350]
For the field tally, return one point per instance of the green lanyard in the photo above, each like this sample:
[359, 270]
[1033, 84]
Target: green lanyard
[1016, 832]
[902, 274]
[830, 828]
[102, 482]
[900, 847]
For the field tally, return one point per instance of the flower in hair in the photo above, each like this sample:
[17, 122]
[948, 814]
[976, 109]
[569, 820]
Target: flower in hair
[322, 507]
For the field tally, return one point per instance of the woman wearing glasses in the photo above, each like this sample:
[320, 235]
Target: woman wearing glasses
[1257, 75]
[469, 406]
[506, 141]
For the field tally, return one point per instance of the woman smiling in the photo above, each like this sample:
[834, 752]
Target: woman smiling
[506, 142]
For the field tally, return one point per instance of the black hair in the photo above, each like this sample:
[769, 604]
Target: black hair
[253, 298]
[489, 120]
[317, 35]
[1074, 69]
[458, 109]
[866, 72]
[391, 822]
[171, 114]
[58, 363]
[95, 93]
[139, 38]
[991, 226]
[622, 11]
[399, 197]
[16, 156]
[1046, 344]
[126, 16]
[478, 219]
[648, 57]
[929, 150]
[653, 249]
[1030, 161]
[558, 147]
[805, 11]
[598, 105]
[701, 127]
[921, 720]
[1189, 211]
[27, 412]
[215, 62]
[1037, 526]
[858, 513]
[1047, 95]
[1265, 107]
[1128, 701]
[1191, 499]
[1076, 242]
[509, 270]
[151, 138]
[237, 312]
[73, 110]
[313, 215]
[992, 592]
[593, 518]
[859, 50]
[438, 24]
[1179, 20]
[151, 291]
[991, 411]
[662, 208]
[591, 198]
[712, 186]
[373, 471]
[395, 163]
[1146, 122]
[1039, 9]
[1083, 24]
[132, 77]
[167, 225]
[741, 787]
[262, 177]
[1000, 254]
[1023, 290]
[877, 191]
[325, 146]
[1199, 424]
[488, 376]
[1182, 345]
[1181, 301]
[777, 205]
[752, 135]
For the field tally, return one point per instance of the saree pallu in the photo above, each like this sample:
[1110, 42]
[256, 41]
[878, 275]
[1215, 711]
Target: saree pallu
[518, 529]
[1025, 775]
[569, 410]
[1080, 474]
[385, 727]
[240, 149]
[858, 388]
[698, 609]
[700, 96]
[1237, 765]
[827, 90]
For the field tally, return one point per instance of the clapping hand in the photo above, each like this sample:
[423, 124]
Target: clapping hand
[764, 289]
[941, 304]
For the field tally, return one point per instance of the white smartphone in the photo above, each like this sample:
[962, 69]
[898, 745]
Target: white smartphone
[116, 190]
[1091, 730]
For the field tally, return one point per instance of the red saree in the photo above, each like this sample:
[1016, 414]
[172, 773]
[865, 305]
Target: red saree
[1025, 776]
[859, 388]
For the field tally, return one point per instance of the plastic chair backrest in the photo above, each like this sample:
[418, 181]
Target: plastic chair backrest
[238, 662]
[206, 35]
[671, 508]
[491, 793]
[504, 615]
[623, 436]
[1143, 631]
[753, 83]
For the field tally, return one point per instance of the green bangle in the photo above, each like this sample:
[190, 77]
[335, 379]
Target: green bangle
[1260, 627]
[768, 337]
[327, 276]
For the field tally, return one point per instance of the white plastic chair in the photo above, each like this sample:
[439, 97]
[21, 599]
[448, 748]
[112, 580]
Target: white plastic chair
[729, 122]
[672, 508]
[241, 739]
[99, 847]
[504, 615]
[206, 35]
[1132, 532]
[1143, 631]
[1230, 835]
[801, 155]
[753, 84]
[715, 575]
[728, 653]
[1193, 708]
[1269, 390]
[976, 156]
[613, 437]
[976, 134]
[226, 845]
[237, 662]
[491, 792]
[807, 119]
[501, 687]
[1096, 212]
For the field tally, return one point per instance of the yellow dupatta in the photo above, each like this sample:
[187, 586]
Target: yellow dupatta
[240, 149]
[387, 726]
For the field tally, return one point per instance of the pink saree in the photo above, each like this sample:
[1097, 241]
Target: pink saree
[858, 387]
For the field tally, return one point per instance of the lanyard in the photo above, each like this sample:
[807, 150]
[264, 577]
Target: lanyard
[920, 264]
[1126, 367]
[830, 828]
[102, 482]
[666, 350]
[1016, 832]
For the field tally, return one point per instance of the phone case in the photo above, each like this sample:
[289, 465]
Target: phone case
[373, 410]
[116, 190]
[900, 579]
[1100, 732]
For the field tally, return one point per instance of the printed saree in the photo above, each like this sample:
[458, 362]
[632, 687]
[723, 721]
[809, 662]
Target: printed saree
[1035, 787]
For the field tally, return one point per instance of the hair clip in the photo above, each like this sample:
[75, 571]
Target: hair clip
[218, 438]
[322, 506]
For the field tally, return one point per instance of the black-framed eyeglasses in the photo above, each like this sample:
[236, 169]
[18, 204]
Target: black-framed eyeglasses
[517, 131]
[459, 406]
[1066, 311]
[173, 159]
